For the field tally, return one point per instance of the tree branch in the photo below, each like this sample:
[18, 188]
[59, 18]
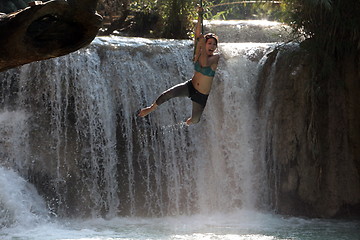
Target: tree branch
[45, 31]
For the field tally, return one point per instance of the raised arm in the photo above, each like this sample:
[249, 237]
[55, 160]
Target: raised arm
[198, 33]
[202, 57]
[198, 26]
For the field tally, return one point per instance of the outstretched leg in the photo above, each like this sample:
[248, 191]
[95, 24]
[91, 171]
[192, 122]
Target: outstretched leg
[180, 90]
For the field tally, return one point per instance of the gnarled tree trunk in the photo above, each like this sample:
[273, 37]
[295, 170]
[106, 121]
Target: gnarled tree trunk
[47, 30]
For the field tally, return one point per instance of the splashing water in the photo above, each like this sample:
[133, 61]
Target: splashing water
[20, 204]
[83, 128]
[89, 155]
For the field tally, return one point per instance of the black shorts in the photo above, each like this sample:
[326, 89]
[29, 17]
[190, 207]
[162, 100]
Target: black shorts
[195, 95]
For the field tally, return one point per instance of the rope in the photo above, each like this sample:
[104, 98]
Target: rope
[202, 17]
[202, 28]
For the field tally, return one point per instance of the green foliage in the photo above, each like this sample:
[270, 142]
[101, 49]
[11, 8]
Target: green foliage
[176, 15]
[145, 17]
[156, 18]
[332, 25]
[112, 7]
[332, 28]
[232, 9]
[174, 18]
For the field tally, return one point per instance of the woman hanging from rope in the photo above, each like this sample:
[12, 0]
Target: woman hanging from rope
[198, 88]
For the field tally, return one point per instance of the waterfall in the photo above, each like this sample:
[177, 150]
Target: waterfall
[70, 128]
[20, 203]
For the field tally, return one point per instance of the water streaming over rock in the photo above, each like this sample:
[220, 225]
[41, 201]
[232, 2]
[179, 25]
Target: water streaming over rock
[69, 126]
[20, 203]
[72, 146]
[249, 30]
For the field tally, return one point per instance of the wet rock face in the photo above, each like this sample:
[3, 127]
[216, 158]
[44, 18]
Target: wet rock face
[310, 131]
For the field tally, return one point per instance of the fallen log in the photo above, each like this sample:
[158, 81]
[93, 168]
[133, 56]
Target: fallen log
[46, 30]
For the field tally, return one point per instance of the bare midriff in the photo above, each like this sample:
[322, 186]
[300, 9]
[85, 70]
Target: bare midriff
[202, 83]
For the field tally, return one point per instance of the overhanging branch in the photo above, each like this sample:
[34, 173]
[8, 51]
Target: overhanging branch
[45, 31]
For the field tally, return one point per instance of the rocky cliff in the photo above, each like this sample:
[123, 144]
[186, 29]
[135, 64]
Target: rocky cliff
[310, 131]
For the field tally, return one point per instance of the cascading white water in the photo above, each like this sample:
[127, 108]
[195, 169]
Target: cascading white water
[72, 146]
[14, 139]
[20, 203]
[88, 152]
[229, 133]
[249, 30]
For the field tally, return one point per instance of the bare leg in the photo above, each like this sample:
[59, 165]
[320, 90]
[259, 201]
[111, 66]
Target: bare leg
[196, 114]
[145, 111]
[180, 90]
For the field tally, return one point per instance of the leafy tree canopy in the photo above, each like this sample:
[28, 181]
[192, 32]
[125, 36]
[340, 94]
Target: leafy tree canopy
[332, 24]
[174, 18]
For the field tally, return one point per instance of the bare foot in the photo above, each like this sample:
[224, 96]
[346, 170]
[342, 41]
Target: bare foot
[145, 111]
[189, 122]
